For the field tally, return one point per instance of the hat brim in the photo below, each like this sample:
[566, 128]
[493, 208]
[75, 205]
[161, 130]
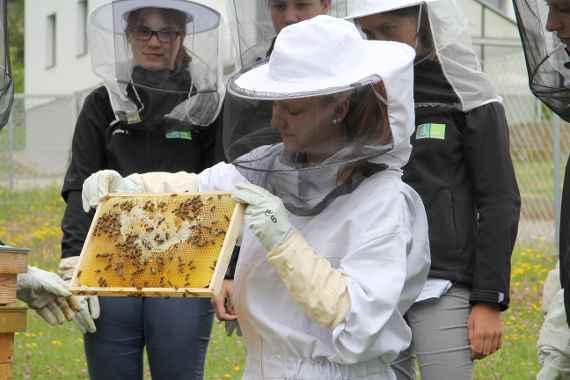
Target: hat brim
[379, 60]
[203, 17]
[386, 7]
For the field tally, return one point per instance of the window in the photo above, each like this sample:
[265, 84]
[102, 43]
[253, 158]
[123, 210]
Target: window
[51, 41]
[82, 12]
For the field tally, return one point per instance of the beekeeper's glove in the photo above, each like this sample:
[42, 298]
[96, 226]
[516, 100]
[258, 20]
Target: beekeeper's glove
[47, 294]
[100, 184]
[88, 305]
[265, 214]
[309, 278]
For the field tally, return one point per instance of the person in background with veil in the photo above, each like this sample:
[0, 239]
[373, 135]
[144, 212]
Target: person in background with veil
[158, 109]
[462, 169]
[544, 27]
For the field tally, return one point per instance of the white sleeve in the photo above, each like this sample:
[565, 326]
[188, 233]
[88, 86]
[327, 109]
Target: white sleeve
[220, 177]
[165, 182]
[374, 327]
[384, 278]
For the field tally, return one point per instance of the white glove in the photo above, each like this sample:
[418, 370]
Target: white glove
[88, 313]
[265, 214]
[89, 309]
[47, 294]
[163, 182]
[99, 184]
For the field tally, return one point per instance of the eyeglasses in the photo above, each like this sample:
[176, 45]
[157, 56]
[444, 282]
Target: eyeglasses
[163, 35]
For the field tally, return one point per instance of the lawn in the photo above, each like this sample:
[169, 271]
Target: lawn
[31, 219]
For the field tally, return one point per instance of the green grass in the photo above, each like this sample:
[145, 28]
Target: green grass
[535, 178]
[31, 219]
[51, 353]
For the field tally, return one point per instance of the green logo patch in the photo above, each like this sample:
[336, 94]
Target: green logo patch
[431, 131]
[184, 135]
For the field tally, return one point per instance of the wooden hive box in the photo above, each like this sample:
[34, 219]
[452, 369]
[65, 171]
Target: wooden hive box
[159, 245]
[12, 319]
[12, 261]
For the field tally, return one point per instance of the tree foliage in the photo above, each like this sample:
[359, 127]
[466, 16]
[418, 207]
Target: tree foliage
[16, 38]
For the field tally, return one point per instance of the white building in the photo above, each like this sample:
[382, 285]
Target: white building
[56, 52]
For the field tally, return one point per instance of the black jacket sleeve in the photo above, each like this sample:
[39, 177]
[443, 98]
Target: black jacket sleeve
[564, 241]
[230, 272]
[87, 157]
[219, 155]
[211, 146]
[75, 224]
[497, 201]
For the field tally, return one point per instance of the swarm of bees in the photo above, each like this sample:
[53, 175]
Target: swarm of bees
[157, 242]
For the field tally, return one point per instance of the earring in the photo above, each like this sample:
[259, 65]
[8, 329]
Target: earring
[335, 121]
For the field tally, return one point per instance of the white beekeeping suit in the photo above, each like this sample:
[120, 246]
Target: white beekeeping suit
[321, 285]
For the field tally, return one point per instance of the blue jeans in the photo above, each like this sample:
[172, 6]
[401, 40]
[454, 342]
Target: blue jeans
[175, 332]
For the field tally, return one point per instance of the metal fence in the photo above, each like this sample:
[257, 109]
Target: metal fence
[539, 143]
[35, 144]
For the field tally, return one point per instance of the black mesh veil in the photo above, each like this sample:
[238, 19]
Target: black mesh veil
[547, 58]
[6, 83]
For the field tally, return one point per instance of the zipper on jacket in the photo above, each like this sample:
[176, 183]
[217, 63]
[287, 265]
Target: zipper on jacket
[454, 221]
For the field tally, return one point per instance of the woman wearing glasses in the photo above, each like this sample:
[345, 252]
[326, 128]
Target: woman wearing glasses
[157, 111]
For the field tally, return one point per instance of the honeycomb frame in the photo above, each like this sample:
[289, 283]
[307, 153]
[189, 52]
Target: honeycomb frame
[159, 245]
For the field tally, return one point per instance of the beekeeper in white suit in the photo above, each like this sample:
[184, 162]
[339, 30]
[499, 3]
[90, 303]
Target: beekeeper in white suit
[544, 27]
[321, 284]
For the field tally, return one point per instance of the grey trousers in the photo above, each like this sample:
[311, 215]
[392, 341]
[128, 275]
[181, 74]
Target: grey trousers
[440, 339]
